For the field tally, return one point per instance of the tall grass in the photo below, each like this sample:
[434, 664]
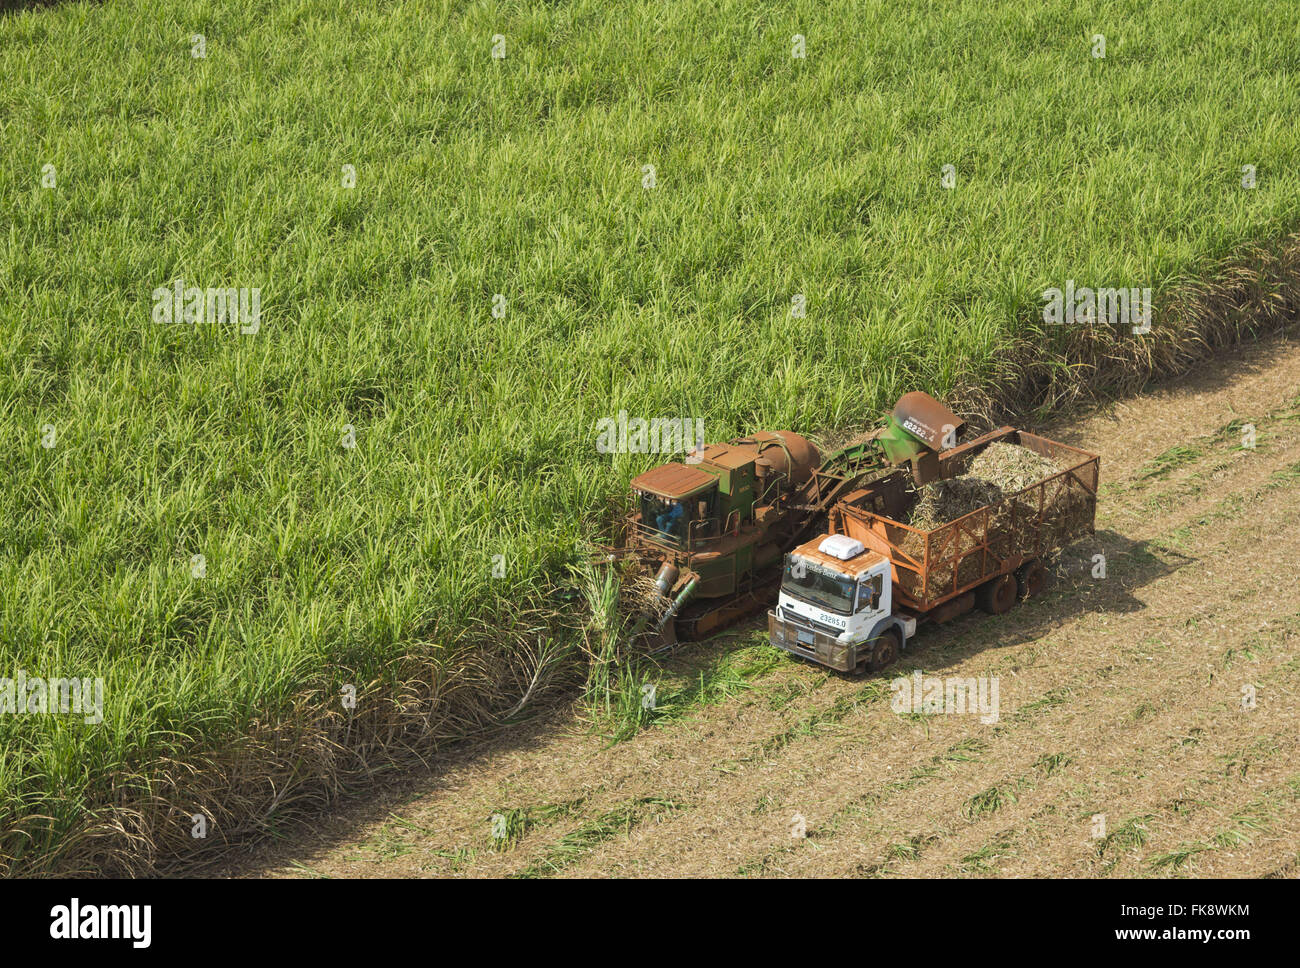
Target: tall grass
[375, 567]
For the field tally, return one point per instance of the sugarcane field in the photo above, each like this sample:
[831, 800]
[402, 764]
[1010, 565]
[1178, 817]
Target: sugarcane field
[576, 441]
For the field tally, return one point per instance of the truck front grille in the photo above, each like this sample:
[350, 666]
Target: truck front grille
[807, 623]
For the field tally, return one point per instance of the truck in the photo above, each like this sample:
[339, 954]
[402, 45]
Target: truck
[852, 598]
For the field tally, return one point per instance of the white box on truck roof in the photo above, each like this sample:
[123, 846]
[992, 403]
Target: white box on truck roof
[841, 546]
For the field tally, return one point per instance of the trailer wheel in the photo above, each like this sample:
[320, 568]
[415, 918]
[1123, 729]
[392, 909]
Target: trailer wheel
[997, 596]
[884, 650]
[1030, 579]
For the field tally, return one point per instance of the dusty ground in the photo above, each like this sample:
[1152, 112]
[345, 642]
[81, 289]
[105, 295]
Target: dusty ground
[1121, 697]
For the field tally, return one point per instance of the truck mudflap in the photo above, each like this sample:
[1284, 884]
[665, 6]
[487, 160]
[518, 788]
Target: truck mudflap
[825, 649]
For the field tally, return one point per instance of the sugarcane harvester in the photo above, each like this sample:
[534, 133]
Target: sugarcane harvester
[712, 530]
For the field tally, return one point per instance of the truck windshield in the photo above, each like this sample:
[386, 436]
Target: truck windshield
[819, 587]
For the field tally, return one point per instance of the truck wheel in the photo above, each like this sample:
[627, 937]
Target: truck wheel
[997, 596]
[1030, 579]
[884, 650]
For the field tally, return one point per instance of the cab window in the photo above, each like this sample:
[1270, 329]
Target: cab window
[869, 592]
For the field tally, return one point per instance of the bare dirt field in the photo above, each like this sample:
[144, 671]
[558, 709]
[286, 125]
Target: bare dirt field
[1120, 697]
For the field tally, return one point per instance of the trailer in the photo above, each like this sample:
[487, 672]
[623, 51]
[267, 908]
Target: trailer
[852, 599]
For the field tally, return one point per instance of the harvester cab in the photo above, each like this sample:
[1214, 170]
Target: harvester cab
[677, 503]
[720, 492]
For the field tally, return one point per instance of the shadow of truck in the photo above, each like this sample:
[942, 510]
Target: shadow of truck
[1097, 574]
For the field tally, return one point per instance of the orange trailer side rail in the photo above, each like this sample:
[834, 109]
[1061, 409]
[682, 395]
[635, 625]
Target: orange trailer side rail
[930, 568]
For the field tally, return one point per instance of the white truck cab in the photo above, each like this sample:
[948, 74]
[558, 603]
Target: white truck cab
[836, 606]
